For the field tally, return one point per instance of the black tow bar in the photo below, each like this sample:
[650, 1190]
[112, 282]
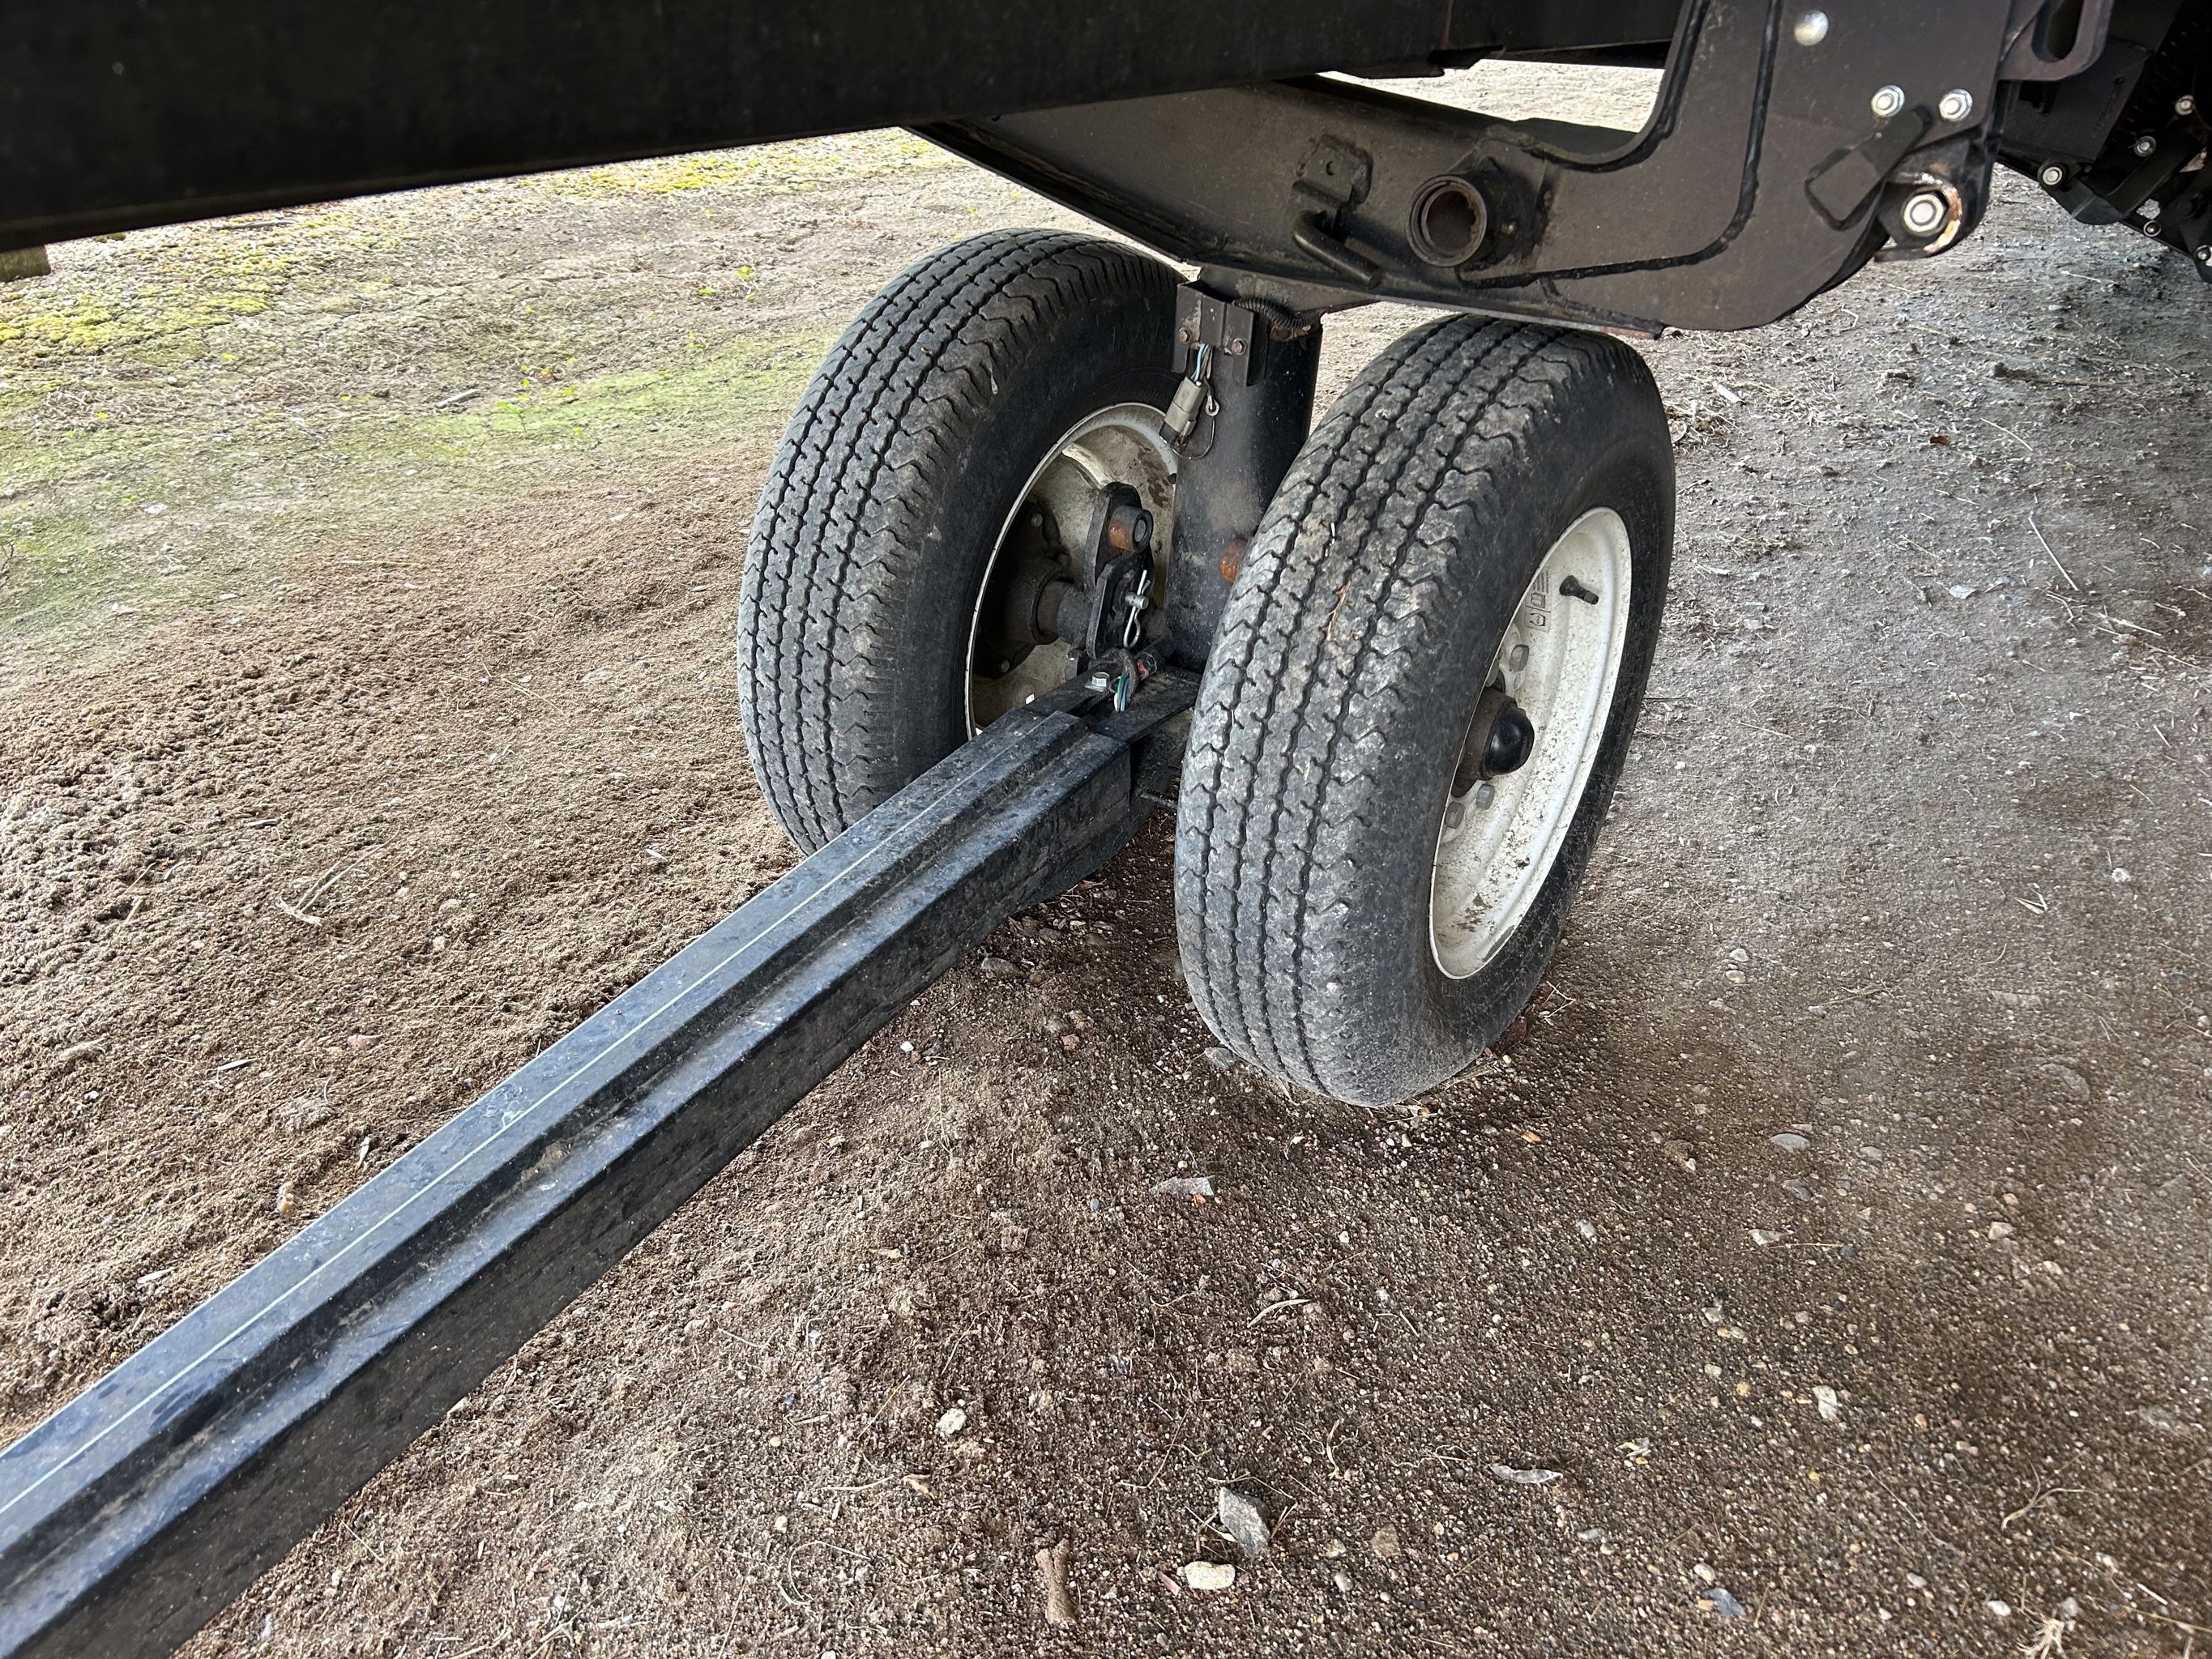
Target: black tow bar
[133, 1515]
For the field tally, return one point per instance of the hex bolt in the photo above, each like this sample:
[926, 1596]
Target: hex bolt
[2052, 176]
[1924, 213]
[2184, 104]
[2145, 144]
[1957, 105]
[1812, 28]
[1888, 102]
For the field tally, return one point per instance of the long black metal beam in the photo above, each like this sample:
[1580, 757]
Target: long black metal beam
[1761, 178]
[119, 113]
[136, 1512]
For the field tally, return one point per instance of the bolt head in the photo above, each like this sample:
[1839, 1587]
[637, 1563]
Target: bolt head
[1812, 28]
[1924, 213]
[2184, 104]
[2145, 144]
[1887, 102]
[1484, 794]
[2053, 176]
[2204, 254]
[1957, 105]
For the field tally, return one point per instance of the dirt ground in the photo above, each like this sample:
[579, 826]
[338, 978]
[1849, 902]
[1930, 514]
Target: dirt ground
[1836, 1233]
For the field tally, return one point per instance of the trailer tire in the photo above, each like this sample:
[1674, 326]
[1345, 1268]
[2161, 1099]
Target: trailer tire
[1473, 473]
[892, 487]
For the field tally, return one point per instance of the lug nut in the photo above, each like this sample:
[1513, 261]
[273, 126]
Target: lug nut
[1888, 102]
[1812, 28]
[2052, 176]
[1924, 213]
[1958, 104]
[1484, 794]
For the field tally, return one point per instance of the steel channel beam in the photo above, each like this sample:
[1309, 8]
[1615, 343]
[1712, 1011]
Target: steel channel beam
[1703, 220]
[136, 1512]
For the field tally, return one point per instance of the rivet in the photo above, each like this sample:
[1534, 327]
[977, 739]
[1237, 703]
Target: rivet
[1812, 28]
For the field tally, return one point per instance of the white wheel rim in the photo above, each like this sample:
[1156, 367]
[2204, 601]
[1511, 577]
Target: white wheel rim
[1559, 660]
[1117, 445]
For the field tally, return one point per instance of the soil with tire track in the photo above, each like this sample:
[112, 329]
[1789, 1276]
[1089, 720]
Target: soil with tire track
[1821, 1271]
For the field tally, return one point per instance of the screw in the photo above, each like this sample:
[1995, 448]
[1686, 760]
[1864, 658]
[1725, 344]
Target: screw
[2053, 176]
[2145, 144]
[1958, 104]
[1888, 102]
[2184, 104]
[1812, 28]
[1924, 213]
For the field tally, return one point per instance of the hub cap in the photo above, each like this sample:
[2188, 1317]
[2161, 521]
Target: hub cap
[1503, 823]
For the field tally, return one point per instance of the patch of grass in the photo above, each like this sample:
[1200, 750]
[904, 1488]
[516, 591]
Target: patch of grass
[803, 164]
[150, 514]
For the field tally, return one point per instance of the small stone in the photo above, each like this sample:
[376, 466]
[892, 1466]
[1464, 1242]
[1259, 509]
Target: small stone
[1798, 1190]
[1760, 1236]
[1222, 1060]
[2000, 1230]
[2158, 1418]
[1208, 1575]
[1385, 1544]
[1587, 1231]
[1241, 1520]
[999, 968]
[1718, 1602]
[1871, 1154]
[1197, 1189]
[1999, 1610]
[1682, 1154]
[1790, 1141]
[1514, 1477]
[951, 1422]
[1831, 1409]
[2121, 877]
